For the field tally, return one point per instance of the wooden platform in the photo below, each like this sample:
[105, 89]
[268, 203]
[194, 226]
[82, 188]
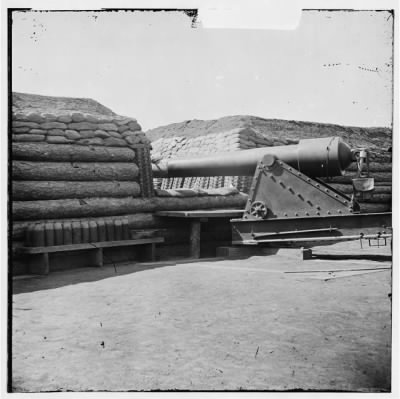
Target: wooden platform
[212, 213]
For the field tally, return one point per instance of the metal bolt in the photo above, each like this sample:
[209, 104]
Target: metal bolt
[329, 212]
[336, 196]
[307, 213]
[317, 185]
[285, 214]
[318, 207]
[296, 214]
[339, 211]
[327, 191]
[318, 213]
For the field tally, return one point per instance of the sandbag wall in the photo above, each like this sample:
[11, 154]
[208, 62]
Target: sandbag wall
[248, 138]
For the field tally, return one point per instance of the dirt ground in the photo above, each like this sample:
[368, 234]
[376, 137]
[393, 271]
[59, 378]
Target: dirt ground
[262, 323]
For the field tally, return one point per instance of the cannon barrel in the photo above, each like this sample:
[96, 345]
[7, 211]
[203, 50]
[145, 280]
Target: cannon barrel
[319, 157]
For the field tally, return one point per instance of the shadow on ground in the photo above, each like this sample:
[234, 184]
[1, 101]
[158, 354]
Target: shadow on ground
[81, 275]
[24, 284]
[376, 258]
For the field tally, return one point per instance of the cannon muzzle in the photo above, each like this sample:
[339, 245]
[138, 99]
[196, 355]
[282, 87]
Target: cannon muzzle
[321, 157]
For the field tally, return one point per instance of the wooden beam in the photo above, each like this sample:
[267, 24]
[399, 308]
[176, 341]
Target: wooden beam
[75, 247]
[74, 171]
[45, 190]
[195, 233]
[70, 153]
[213, 213]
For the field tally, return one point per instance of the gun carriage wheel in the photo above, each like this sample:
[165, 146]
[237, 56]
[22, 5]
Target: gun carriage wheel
[258, 209]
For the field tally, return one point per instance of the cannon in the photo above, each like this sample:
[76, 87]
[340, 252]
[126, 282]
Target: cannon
[288, 203]
[322, 157]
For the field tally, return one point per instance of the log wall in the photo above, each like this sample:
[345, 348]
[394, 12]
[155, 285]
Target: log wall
[109, 206]
[380, 168]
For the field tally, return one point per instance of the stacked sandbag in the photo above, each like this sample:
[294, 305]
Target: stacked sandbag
[275, 128]
[77, 128]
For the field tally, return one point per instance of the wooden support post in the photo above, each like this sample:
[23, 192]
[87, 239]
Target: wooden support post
[39, 263]
[195, 230]
[148, 253]
[305, 253]
[151, 255]
[98, 257]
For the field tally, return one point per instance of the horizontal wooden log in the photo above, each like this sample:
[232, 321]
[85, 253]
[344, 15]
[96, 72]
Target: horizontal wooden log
[92, 207]
[378, 176]
[70, 152]
[74, 171]
[378, 198]
[348, 188]
[373, 167]
[382, 183]
[380, 156]
[43, 190]
[349, 183]
[374, 207]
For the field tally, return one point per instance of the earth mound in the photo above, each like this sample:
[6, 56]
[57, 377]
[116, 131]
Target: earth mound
[24, 102]
[373, 137]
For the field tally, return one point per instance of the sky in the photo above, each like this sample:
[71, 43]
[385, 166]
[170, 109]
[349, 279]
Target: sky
[335, 67]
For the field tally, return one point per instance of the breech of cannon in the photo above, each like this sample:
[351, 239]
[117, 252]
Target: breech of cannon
[321, 157]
